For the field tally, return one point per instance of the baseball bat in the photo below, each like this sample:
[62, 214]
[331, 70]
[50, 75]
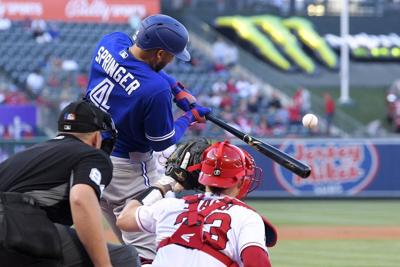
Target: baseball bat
[280, 157]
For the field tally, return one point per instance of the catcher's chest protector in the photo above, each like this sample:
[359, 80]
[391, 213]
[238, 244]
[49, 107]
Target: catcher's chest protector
[190, 233]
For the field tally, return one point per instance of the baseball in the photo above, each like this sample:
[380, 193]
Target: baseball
[310, 120]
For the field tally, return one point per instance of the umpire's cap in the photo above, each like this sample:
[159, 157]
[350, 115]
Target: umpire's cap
[83, 117]
[164, 32]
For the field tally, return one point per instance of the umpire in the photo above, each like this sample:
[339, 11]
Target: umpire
[53, 185]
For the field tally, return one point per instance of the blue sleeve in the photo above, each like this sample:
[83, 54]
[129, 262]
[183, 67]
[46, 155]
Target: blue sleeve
[160, 128]
[171, 80]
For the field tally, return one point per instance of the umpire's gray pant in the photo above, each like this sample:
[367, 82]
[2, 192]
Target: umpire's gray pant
[130, 177]
[73, 254]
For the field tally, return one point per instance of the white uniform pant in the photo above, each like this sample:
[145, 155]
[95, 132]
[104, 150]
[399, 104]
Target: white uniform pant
[130, 177]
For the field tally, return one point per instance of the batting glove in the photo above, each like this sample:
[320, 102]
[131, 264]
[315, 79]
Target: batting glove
[183, 98]
[197, 113]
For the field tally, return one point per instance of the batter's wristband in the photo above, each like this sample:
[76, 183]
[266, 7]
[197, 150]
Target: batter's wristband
[177, 87]
[185, 95]
[197, 116]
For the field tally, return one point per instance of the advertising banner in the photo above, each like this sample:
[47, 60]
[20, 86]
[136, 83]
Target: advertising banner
[17, 121]
[114, 11]
[340, 168]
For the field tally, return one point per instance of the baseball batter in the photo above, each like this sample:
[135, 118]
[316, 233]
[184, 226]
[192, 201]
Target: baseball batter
[127, 80]
[211, 229]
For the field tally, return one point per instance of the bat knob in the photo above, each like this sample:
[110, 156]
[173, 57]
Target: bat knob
[305, 172]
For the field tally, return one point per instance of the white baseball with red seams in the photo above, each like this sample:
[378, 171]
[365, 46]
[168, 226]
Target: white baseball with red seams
[310, 120]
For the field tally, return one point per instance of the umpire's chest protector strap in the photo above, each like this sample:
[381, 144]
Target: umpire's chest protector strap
[25, 227]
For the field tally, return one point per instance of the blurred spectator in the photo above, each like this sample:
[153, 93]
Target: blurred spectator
[82, 81]
[246, 88]
[16, 98]
[5, 23]
[35, 82]
[26, 24]
[231, 87]
[262, 128]
[303, 100]
[275, 101]
[392, 98]
[69, 65]
[283, 118]
[134, 22]
[212, 99]
[244, 122]
[294, 117]
[226, 100]
[329, 111]
[39, 31]
[253, 104]
[219, 49]
[219, 87]
[242, 108]
[224, 55]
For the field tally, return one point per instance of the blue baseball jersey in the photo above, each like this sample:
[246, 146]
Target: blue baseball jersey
[138, 98]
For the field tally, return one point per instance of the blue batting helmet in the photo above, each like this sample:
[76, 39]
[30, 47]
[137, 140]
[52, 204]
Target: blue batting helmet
[164, 32]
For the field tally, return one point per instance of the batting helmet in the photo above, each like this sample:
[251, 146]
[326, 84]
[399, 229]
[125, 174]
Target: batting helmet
[224, 165]
[164, 32]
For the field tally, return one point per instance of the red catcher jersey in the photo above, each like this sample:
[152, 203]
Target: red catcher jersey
[232, 230]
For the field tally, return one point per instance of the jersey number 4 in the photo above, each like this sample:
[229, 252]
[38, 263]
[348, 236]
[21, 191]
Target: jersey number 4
[100, 94]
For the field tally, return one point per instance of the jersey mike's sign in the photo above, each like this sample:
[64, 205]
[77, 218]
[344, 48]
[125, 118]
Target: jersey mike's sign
[338, 168]
[118, 11]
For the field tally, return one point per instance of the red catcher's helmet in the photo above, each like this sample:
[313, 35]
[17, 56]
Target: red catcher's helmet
[224, 165]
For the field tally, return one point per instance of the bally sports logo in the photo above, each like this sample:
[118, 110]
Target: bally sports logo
[340, 168]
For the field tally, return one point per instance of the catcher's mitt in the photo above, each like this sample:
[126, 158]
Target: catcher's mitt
[186, 155]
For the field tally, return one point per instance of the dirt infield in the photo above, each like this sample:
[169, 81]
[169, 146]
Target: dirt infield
[338, 232]
[326, 233]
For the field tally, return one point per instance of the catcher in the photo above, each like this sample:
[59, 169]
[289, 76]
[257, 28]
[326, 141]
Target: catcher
[209, 229]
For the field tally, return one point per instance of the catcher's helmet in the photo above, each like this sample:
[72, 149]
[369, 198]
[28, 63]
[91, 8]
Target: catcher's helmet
[164, 32]
[224, 165]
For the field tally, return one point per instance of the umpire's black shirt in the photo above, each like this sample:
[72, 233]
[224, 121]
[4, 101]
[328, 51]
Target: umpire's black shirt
[47, 171]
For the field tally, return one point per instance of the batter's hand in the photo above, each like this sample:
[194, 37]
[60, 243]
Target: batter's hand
[198, 113]
[183, 98]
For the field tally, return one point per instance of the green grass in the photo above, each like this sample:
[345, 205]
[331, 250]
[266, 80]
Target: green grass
[333, 253]
[330, 212]
[336, 253]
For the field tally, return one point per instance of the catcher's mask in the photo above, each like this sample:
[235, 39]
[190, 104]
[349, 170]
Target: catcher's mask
[83, 117]
[224, 165]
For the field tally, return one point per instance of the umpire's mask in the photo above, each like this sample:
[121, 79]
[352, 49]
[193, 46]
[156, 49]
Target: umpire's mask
[83, 117]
